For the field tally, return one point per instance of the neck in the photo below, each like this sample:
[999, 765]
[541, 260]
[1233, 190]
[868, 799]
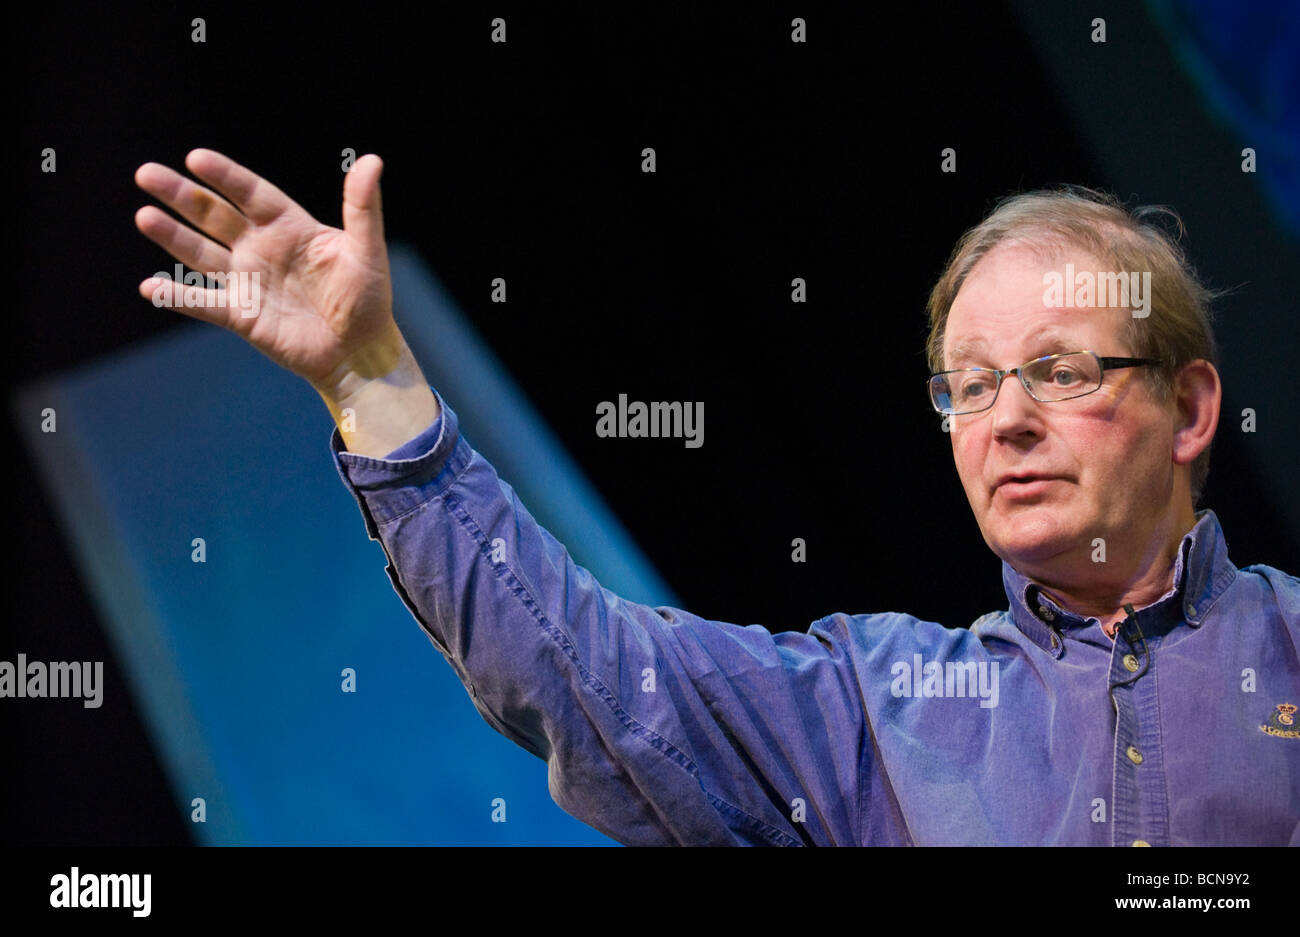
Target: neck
[1139, 583]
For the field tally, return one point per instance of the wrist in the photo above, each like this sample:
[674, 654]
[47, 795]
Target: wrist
[381, 401]
[386, 358]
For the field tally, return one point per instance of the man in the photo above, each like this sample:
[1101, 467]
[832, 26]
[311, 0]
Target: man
[1140, 689]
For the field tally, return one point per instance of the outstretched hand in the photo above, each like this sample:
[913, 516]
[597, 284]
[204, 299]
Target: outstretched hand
[324, 304]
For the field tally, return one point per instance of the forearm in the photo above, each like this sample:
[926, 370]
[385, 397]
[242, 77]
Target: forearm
[380, 399]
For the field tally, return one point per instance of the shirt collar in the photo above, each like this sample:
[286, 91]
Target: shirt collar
[1201, 572]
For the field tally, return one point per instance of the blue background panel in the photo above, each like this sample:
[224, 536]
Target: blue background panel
[236, 662]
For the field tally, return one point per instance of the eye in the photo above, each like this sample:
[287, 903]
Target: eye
[972, 386]
[1063, 375]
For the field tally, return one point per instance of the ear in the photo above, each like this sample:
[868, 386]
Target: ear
[1197, 396]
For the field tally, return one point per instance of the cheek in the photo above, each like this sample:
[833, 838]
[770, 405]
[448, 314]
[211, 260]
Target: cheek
[1147, 455]
[1108, 442]
[1111, 459]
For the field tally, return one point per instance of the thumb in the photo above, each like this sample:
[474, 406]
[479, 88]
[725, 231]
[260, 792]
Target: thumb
[363, 213]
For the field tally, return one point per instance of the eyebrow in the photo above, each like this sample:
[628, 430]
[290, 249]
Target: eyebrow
[1047, 341]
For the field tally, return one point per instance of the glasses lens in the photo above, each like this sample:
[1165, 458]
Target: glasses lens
[963, 391]
[1064, 376]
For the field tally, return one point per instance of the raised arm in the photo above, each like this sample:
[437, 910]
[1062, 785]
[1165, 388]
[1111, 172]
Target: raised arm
[658, 726]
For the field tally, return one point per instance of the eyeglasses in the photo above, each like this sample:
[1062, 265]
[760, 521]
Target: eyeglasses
[1046, 379]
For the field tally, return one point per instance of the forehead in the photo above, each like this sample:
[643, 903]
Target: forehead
[1000, 312]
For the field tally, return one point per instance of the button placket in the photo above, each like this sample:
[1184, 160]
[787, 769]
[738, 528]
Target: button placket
[1129, 776]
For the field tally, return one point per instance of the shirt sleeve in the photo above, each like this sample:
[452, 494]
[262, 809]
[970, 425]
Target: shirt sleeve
[658, 726]
[419, 445]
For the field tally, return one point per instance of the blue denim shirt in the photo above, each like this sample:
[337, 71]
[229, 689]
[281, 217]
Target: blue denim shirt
[1029, 727]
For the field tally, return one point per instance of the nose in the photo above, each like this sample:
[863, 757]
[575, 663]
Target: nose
[1015, 413]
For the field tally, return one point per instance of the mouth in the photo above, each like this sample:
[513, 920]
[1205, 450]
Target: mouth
[1024, 485]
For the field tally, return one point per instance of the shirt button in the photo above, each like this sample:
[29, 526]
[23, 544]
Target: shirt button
[1191, 610]
[1134, 755]
[1131, 663]
[1047, 613]
[1140, 842]
[1056, 642]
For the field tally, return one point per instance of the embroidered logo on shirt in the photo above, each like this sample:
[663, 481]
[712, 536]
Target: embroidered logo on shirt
[1283, 722]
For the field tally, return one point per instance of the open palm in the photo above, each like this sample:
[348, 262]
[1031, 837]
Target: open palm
[325, 294]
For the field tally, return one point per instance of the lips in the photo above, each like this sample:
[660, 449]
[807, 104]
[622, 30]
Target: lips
[1023, 481]
[1022, 477]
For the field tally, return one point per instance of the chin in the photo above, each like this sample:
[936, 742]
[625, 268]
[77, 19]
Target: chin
[1030, 535]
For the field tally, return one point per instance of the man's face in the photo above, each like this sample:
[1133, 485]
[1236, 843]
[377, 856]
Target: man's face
[1104, 460]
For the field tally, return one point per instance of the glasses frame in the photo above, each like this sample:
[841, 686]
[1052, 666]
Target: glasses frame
[1104, 362]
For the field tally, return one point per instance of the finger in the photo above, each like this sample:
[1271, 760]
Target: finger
[251, 194]
[218, 307]
[185, 244]
[363, 213]
[204, 208]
